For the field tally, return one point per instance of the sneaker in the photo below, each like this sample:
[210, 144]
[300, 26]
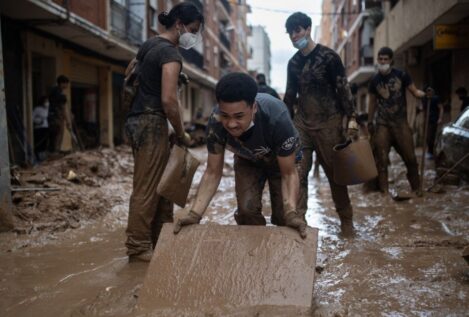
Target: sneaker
[141, 257]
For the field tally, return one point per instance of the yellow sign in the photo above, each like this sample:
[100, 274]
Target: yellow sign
[450, 36]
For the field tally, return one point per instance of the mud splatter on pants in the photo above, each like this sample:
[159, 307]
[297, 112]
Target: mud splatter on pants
[398, 136]
[322, 141]
[148, 135]
[250, 179]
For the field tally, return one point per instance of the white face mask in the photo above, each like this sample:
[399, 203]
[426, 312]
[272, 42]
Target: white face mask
[383, 68]
[188, 40]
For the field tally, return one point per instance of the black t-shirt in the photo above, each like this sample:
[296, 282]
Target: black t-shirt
[272, 135]
[464, 103]
[434, 109]
[57, 101]
[390, 92]
[151, 56]
[320, 82]
[266, 89]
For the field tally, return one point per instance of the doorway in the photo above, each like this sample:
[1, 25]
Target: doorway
[85, 111]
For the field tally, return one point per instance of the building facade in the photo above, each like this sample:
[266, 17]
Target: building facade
[259, 62]
[91, 42]
[349, 28]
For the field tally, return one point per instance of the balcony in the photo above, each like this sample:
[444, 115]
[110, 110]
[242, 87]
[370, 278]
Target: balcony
[227, 5]
[125, 24]
[193, 57]
[224, 40]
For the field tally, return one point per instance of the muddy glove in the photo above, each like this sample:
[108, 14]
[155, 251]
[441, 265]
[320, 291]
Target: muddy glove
[191, 218]
[184, 140]
[295, 221]
[352, 129]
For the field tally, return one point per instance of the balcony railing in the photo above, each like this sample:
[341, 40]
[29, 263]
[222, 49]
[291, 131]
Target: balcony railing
[193, 57]
[224, 40]
[227, 5]
[125, 24]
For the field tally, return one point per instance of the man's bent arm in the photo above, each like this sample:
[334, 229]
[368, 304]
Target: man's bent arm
[290, 182]
[209, 183]
[416, 92]
[169, 99]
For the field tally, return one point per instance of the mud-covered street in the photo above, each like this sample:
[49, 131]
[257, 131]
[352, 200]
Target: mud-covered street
[67, 255]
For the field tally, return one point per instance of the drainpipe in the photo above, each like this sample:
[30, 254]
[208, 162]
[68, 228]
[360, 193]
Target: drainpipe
[387, 10]
[6, 218]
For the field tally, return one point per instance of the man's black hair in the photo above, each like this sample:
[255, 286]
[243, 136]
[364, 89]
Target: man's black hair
[236, 87]
[186, 12]
[461, 91]
[296, 20]
[260, 78]
[62, 80]
[386, 51]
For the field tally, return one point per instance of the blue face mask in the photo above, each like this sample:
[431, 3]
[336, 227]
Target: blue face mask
[301, 43]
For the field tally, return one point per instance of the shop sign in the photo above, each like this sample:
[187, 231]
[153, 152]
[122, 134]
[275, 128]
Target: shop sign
[450, 36]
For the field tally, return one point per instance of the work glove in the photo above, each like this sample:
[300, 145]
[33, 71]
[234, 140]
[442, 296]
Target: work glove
[352, 129]
[295, 221]
[191, 218]
[184, 140]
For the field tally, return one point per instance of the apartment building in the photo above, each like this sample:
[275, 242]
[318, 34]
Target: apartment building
[259, 62]
[352, 25]
[91, 43]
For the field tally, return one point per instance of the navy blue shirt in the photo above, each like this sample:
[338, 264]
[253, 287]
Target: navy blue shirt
[272, 135]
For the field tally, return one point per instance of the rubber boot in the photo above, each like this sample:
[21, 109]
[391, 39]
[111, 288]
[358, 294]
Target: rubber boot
[346, 222]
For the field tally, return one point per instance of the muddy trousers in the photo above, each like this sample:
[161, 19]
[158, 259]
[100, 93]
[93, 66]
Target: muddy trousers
[56, 133]
[250, 179]
[148, 211]
[431, 136]
[322, 141]
[398, 136]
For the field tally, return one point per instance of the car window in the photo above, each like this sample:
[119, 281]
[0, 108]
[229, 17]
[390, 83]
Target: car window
[463, 120]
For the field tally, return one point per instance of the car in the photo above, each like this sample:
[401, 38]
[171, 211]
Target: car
[452, 145]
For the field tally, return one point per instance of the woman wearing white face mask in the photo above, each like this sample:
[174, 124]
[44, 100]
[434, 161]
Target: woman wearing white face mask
[156, 103]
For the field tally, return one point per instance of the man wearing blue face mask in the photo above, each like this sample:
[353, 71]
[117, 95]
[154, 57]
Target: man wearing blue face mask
[319, 97]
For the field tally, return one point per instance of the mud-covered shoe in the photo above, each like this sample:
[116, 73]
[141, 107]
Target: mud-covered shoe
[141, 257]
[347, 231]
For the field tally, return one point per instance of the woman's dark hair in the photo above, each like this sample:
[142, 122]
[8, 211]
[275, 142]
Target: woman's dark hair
[184, 11]
[296, 20]
[235, 87]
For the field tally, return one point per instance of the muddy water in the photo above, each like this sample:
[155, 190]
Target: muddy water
[405, 260]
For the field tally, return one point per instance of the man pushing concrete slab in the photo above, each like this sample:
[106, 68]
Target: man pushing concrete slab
[257, 128]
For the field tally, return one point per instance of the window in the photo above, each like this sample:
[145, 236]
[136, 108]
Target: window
[153, 19]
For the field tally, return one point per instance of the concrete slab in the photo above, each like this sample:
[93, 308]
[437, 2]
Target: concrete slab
[214, 268]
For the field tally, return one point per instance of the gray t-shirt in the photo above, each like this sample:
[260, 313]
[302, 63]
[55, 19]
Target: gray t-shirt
[272, 135]
[153, 54]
